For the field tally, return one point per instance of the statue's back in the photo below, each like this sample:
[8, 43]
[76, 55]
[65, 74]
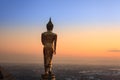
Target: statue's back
[48, 37]
[49, 40]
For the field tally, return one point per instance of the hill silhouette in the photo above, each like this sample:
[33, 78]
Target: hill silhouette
[4, 75]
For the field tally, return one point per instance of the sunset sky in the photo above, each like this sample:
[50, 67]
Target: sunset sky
[88, 30]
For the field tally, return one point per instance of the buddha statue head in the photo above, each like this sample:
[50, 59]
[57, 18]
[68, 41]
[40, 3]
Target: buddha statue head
[49, 25]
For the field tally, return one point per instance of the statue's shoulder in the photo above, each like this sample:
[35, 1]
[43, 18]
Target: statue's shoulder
[49, 33]
[54, 34]
[44, 33]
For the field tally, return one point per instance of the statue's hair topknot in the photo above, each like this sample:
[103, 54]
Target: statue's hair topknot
[49, 25]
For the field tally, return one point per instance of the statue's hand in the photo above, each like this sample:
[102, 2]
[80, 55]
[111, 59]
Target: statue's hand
[54, 52]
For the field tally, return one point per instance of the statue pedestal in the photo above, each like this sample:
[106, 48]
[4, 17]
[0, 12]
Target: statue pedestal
[48, 77]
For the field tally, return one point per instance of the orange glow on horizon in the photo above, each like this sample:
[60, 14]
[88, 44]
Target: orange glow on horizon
[88, 43]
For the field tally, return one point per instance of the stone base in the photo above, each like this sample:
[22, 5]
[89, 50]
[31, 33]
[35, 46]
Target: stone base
[48, 77]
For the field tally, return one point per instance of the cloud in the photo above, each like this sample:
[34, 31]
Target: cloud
[114, 50]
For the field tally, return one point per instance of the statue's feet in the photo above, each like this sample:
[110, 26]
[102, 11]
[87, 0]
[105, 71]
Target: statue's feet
[50, 72]
[46, 73]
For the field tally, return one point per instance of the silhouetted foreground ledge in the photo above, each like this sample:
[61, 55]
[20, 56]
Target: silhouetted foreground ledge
[4, 75]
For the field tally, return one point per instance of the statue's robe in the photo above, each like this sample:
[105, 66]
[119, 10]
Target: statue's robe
[48, 39]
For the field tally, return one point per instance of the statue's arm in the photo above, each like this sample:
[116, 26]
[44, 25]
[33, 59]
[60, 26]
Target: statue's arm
[42, 39]
[55, 42]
